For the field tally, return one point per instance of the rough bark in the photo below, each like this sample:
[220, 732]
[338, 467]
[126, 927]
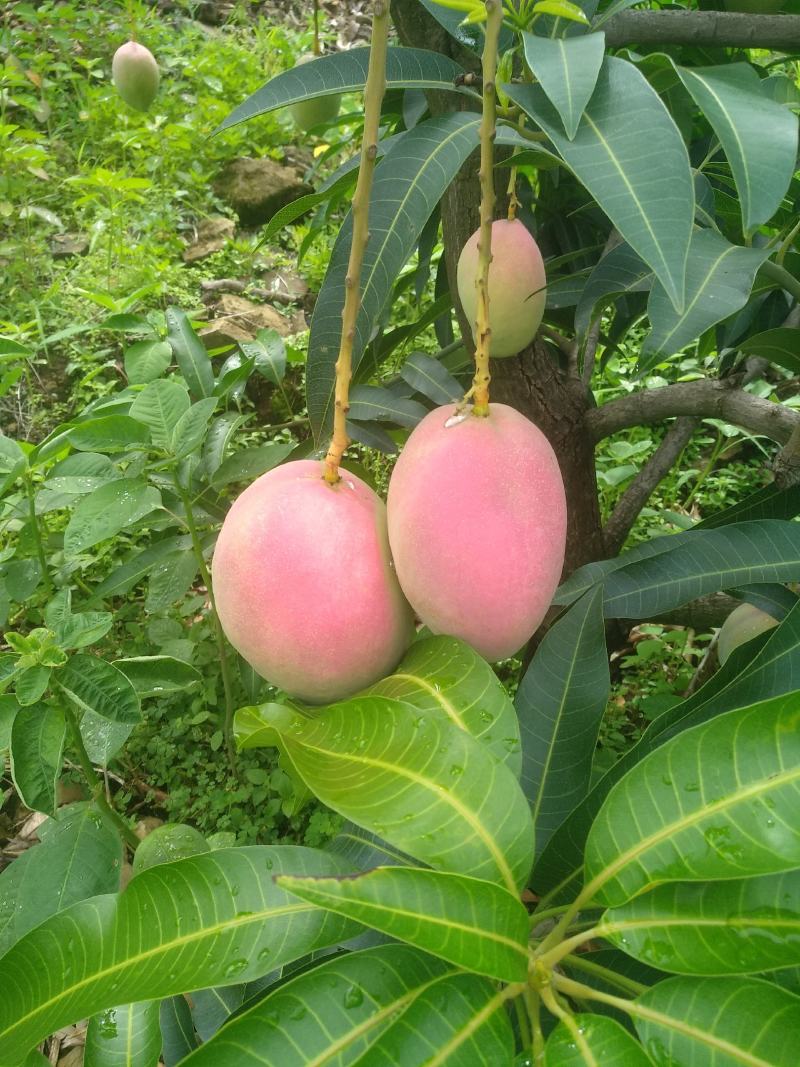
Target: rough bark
[704, 28]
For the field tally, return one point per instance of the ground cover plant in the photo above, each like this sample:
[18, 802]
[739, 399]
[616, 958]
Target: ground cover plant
[490, 886]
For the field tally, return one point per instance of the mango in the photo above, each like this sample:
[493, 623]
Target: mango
[477, 526]
[516, 286]
[135, 75]
[304, 585]
[743, 624]
[310, 113]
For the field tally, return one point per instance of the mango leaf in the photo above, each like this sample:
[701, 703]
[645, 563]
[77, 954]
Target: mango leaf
[567, 69]
[96, 686]
[269, 354]
[585, 1040]
[37, 741]
[81, 857]
[177, 1030]
[178, 926]
[619, 272]
[346, 72]
[146, 361]
[124, 1037]
[467, 34]
[190, 352]
[109, 433]
[106, 511]
[719, 1022]
[420, 782]
[158, 675]
[735, 927]
[759, 135]
[213, 1007]
[714, 802]
[362, 850]
[560, 703]
[137, 566]
[373, 402]
[248, 463]
[160, 406]
[430, 378]
[12, 462]
[444, 674]
[169, 580]
[406, 188]
[474, 924]
[190, 429]
[649, 196]
[719, 280]
[781, 346]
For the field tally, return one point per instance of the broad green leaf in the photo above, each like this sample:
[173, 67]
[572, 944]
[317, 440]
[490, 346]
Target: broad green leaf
[719, 1022]
[124, 1037]
[190, 429]
[160, 406]
[109, 433]
[137, 566]
[346, 72]
[146, 360]
[407, 187]
[191, 355]
[362, 850]
[154, 676]
[649, 196]
[102, 738]
[560, 703]
[619, 272]
[373, 402]
[567, 70]
[714, 802]
[213, 1007]
[269, 353]
[79, 858]
[83, 628]
[445, 674]
[417, 780]
[220, 436]
[431, 378]
[759, 135]
[107, 510]
[96, 686]
[733, 927]
[474, 924]
[37, 741]
[31, 684]
[781, 346]
[169, 580]
[177, 1030]
[214, 919]
[8, 710]
[585, 1040]
[250, 463]
[12, 462]
[719, 279]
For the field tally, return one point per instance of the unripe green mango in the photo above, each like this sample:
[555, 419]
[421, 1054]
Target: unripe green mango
[310, 113]
[135, 75]
[516, 286]
[743, 624]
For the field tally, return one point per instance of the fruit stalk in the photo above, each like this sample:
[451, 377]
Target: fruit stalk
[373, 97]
[483, 333]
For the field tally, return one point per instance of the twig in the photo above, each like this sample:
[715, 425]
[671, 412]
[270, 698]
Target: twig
[590, 351]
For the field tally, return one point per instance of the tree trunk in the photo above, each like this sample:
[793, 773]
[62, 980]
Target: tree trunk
[531, 382]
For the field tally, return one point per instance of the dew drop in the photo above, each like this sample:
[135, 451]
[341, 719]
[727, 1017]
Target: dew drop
[235, 967]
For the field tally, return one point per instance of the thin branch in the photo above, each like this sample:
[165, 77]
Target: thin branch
[709, 398]
[706, 28]
[559, 340]
[652, 473]
[590, 351]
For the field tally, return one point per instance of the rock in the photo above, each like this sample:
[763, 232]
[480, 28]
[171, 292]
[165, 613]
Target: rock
[283, 286]
[212, 235]
[240, 320]
[69, 244]
[257, 188]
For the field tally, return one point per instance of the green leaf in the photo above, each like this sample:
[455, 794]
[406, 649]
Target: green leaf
[190, 352]
[124, 1037]
[444, 674]
[109, 433]
[137, 566]
[190, 430]
[12, 462]
[213, 1007]
[562, 9]
[249, 463]
[649, 196]
[37, 741]
[346, 72]
[96, 686]
[560, 703]
[82, 629]
[177, 1030]
[585, 1040]
[719, 280]
[362, 850]
[431, 378]
[567, 69]
[759, 135]
[8, 710]
[781, 346]
[618, 273]
[407, 187]
[81, 473]
[467, 34]
[474, 924]
[213, 919]
[107, 510]
[714, 802]
[154, 676]
[31, 684]
[269, 353]
[417, 780]
[103, 739]
[719, 1022]
[373, 402]
[146, 360]
[160, 406]
[732, 927]
[170, 579]
[80, 857]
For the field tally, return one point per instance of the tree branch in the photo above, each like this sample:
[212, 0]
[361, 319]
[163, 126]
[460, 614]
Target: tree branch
[654, 471]
[725, 29]
[710, 398]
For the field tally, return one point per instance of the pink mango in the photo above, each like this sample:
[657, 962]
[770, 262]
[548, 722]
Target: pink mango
[135, 75]
[516, 286]
[304, 584]
[477, 526]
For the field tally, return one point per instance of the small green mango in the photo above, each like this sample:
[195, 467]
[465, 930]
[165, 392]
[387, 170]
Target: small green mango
[135, 75]
[310, 113]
